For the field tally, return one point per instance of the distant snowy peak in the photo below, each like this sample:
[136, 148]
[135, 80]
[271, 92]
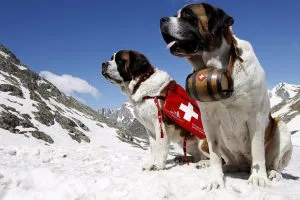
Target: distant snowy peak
[124, 114]
[283, 92]
[285, 103]
[124, 117]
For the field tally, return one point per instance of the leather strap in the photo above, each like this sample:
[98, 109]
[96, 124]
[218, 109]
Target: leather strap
[142, 79]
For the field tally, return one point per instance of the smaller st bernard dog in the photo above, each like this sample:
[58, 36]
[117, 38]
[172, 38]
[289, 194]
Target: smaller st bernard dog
[239, 129]
[138, 79]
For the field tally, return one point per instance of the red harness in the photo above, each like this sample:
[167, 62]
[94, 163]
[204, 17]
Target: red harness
[181, 109]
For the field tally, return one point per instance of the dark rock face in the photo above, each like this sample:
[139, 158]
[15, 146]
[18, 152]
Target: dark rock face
[9, 122]
[42, 136]
[12, 57]
[14, 91]
[71, 126]
[81, 125]
[44, 115]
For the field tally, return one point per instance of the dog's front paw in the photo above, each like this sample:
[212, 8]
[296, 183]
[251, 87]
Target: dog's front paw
[215, 182]
[148, 166]
[257, 179]
[274, 176]
[152, 167]
[202, 164]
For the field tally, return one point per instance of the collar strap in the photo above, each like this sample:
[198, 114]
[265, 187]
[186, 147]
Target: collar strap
[233, 55]
[158, 97]
[142, 79]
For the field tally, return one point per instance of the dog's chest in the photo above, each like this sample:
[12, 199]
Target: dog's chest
[146, 113]
[231, 120]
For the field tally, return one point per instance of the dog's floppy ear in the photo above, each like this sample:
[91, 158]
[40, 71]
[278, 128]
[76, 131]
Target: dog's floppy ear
[139, 62]
[219, 21]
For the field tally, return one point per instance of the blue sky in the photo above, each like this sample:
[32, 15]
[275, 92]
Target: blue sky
[74, 37]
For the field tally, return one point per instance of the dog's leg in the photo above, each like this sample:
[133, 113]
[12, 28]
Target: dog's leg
[159, 149]
[256, 126]
[216, 179]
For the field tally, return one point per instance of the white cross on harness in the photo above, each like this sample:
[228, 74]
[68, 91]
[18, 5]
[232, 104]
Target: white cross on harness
[188, 112]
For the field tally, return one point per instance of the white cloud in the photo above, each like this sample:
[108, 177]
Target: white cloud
[70, 84]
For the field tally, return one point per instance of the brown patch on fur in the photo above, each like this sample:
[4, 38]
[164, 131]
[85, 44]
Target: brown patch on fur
[270, 132]
[213, 41]
[125, 56]
[228, 35]
[199, 10]
[204, 146]
[271, 128]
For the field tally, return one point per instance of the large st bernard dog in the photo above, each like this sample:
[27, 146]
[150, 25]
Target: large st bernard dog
[139, 79]
[239, 129]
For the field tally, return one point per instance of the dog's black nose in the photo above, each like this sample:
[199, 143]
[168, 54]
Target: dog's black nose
[164, 19]
[104, 66]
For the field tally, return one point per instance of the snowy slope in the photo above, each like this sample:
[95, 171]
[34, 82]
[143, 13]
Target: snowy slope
[112, 170]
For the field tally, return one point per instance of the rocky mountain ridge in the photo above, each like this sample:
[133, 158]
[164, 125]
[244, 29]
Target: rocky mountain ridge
[32, 106]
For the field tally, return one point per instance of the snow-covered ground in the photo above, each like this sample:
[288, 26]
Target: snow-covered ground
[111, 169]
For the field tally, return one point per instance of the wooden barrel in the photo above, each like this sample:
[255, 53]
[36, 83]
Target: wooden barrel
[209, 84]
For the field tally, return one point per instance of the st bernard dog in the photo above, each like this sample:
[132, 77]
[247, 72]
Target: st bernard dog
[239, 129]
[138, 79]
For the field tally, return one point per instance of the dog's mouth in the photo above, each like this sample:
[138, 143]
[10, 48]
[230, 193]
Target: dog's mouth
[181, 47]
[110, 79]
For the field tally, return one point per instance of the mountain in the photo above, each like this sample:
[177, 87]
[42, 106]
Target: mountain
[124, 117]
[285, 103]
[33, 107]
[124, 114]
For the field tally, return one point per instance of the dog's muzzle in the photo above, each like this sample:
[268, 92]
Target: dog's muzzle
[104, 68]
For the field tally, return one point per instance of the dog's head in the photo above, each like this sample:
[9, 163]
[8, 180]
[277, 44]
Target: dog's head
[194, 29]
[124, 66]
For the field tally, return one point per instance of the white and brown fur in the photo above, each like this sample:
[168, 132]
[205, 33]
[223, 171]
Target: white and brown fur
[235, 127]
[138, 78]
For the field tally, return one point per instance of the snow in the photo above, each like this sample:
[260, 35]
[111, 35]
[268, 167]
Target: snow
[4, 54]
[110, 169]
[294, 124]
[21, 67]
[41, 81]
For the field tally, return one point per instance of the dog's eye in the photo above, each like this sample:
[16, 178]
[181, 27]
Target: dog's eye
[112, 57]
[189, 16]
[120, 62]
